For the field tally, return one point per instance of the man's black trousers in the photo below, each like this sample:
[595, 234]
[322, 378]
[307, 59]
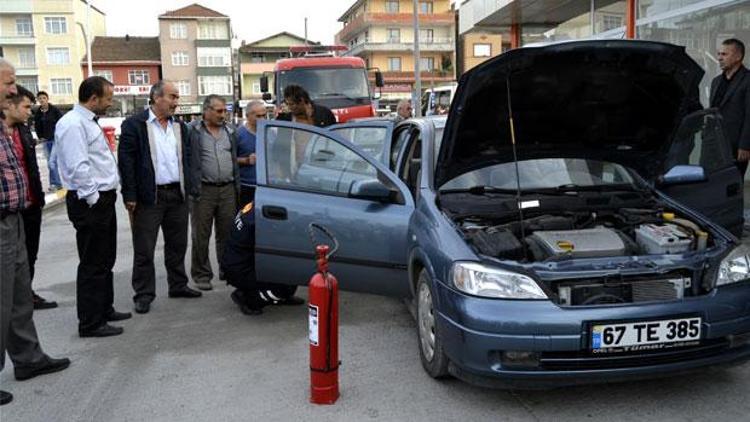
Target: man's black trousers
[96, 238]
[171, 214]
[32, 226]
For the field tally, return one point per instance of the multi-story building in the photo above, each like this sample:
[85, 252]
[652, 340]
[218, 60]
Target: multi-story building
[45, 40]
[381, 32]
[133, 64]
[196, 53]
[477, 46]
[258, 58]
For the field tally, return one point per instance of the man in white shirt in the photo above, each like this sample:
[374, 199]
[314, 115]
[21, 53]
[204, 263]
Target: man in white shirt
[153, 159]
[88, 171]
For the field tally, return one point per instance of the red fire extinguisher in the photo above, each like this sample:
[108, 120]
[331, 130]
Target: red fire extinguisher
[323, 292]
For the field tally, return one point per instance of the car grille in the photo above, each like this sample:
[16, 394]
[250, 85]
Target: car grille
[582, 360]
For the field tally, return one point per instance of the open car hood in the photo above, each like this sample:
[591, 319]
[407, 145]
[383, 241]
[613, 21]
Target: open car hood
[610, 100]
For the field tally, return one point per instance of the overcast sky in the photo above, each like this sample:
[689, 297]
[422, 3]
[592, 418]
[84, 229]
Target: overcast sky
[251, 19]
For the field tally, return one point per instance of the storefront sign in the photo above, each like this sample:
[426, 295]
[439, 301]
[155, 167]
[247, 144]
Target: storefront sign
[188, 109]
[132, 89]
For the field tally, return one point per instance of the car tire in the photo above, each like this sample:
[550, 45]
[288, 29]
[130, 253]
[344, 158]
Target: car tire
[429, 340]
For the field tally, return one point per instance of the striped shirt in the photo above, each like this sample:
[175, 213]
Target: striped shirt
[12, 182]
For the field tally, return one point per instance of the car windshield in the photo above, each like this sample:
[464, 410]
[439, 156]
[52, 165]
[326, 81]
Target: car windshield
[328, 84]
[548, 173]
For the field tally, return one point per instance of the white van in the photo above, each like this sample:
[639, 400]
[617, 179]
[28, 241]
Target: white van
[437, 100]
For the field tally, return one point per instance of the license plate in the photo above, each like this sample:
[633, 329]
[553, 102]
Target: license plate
[645, 335]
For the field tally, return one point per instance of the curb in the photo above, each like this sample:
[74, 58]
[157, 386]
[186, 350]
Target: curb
[54, 200]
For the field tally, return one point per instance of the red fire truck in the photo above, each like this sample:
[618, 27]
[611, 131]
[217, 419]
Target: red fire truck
[339, 83]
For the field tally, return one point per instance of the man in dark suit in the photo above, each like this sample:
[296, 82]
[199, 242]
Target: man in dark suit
[730, 93]
[153, 156]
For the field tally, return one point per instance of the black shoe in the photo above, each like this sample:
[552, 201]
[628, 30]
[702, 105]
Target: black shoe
[105, 330]
[5, 397]
[42, 303]
[239, 298]
[118, 316]
[291, 300]
[186, 292]
[142, 307]
[47, 366]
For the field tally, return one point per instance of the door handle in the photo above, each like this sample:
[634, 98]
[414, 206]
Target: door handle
[274, 213]
[733, 189]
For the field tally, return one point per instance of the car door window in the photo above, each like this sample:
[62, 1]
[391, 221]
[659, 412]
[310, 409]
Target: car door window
[700, 141]
[399, 139]
[370, 139]
[300, 159]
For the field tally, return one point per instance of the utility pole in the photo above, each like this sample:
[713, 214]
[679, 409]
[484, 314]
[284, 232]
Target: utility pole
[305, 31]
[87, 37]
[417, 94]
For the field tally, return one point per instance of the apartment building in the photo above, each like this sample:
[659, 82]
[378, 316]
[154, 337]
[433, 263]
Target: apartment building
[196, 53]
[133, 64]
[45, 40]
[381, 32]
[259, 57]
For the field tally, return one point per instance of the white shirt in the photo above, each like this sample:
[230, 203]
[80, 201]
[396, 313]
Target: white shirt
[85, 162]
[167, 156]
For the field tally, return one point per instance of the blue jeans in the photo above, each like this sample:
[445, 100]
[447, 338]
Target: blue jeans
[54, 177]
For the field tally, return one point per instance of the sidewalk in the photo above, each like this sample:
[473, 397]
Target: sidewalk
[51, 200]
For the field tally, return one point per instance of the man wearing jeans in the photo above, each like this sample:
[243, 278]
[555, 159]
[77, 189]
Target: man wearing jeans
[88, 170]
[45, 119]
[214, 186]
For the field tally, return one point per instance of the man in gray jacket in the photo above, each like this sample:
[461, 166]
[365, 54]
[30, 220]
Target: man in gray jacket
[214, 185]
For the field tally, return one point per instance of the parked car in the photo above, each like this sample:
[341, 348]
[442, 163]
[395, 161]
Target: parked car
[573, 224]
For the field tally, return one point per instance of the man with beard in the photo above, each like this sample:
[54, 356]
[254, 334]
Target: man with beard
[88, 170]
[153, 159]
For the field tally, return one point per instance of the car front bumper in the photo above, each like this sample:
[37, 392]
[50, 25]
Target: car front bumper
[476, 331]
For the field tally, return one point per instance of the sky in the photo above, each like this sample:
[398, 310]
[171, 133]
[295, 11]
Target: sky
[251, 19]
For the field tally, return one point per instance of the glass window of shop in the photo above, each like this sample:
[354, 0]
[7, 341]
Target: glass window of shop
[584, 20]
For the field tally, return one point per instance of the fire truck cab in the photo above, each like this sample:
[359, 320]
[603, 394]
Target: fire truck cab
[339, 83]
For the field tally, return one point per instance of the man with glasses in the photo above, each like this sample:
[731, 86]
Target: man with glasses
[246, 149]
[214, 185]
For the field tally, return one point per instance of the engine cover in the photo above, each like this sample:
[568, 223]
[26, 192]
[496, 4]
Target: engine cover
[585, 243]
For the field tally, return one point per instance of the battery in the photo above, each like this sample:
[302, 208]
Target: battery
[662, 238]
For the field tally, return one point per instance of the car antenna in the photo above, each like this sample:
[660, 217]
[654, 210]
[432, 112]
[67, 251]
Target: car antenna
[515, 161]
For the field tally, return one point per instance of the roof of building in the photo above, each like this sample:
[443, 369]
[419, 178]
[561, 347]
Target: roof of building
[125, 49]
[258, 47]
[350, 10]
[195, 10]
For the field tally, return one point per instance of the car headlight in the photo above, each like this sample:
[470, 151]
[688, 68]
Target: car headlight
[735, 267]
[478, 280]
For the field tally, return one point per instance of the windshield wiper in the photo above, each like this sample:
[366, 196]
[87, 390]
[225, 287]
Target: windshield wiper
[618, 187]
[481, 189]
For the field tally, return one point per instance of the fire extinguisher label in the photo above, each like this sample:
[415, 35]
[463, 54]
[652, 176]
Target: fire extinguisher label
[314, 327]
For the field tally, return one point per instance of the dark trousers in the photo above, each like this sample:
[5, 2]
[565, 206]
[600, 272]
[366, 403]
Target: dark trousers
[216, 207]
[247, 195]
[96, 238]
[742, 167]
[32, 225]
[171, 214]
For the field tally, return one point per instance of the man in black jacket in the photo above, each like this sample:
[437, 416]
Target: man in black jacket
[45, 119]
[16, 116]
[153, 156]
[730, 93]
[303, 110]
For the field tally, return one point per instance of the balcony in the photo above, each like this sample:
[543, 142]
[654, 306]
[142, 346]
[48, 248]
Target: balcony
[367, 20]
[438, 45]
[13, 39]
[27, 70]
[435, 76]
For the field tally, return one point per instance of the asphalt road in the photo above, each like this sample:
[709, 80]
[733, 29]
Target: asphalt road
[201, 360]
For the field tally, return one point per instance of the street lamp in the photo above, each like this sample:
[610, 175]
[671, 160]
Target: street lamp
[417, 101]
[86, 31]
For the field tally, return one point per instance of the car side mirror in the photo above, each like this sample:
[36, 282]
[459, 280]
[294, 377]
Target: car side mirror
[267, 96]
[681, 174]
[264, 84]
[372, 189]
[379, 79]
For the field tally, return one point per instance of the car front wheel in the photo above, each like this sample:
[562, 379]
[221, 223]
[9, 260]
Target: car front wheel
[434, 360]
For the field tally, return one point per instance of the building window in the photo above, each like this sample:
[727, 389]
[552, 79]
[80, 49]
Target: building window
[24, 27]
[178, 31]
[106, 74]
[427, 64]
[219, 85]
[257, 58]
[482, 50]
[426, 35]
[611, 22]
[183, 87]
[213, 30]
[256, 88]
[425, 7]
[391, 6]
[394, 64]
[61, 86]
[56, 25]
[214, 56]
[28, 82]
[58, 55]
[394, 35]
[180, 58]
[139, 77]
[26, 58]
